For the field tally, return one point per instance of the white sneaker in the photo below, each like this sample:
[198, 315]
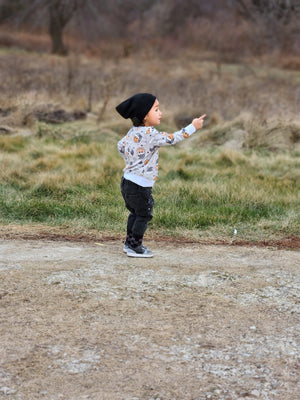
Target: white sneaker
[140, 252]
[126, 248]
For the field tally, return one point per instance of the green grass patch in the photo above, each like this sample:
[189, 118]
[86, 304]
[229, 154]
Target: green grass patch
[72, 179]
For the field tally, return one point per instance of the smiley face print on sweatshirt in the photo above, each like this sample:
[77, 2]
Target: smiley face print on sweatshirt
[140, 152]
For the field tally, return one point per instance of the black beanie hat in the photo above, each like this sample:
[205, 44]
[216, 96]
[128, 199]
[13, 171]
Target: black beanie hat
[136, 106]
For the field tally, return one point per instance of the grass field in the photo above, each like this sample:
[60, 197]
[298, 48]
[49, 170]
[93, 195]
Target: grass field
[67, 175]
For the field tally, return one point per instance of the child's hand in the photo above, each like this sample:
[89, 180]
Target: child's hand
[198, 122]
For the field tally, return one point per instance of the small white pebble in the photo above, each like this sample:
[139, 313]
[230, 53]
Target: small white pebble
[255, 393]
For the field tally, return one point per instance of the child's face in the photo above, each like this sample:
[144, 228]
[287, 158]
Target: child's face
[154, 115]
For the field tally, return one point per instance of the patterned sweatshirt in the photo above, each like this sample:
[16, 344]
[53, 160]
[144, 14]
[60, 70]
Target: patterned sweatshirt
[139, 148]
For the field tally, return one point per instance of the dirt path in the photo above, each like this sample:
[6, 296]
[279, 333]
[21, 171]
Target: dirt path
[84, 321]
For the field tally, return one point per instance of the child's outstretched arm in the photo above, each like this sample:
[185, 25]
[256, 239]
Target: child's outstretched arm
[198, 122]
[159, 139]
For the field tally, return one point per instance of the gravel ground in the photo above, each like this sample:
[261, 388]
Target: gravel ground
[84, 321]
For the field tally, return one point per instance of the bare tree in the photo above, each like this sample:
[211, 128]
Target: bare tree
[60, 13]
[57, 12]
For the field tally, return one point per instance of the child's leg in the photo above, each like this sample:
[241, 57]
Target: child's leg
[136, 227]
[130, 223]
[139, 202]
[135, 246]
[131, 217]
[138, 230]
[144, 213]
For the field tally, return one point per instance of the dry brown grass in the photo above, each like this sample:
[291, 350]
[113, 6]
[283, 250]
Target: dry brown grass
[249, 95]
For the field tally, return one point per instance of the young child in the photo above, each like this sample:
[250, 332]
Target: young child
[139, 148]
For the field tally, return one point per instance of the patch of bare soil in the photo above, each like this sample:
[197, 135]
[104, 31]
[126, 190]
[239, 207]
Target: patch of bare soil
[81, 320]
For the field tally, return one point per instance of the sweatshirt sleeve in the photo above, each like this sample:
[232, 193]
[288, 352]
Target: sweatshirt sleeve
[121, 146]
[160, 139]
